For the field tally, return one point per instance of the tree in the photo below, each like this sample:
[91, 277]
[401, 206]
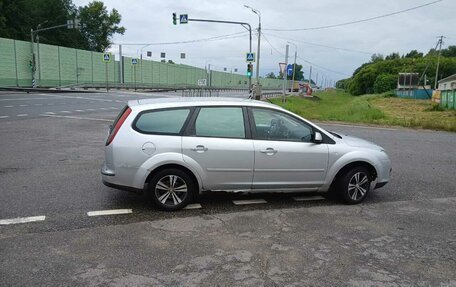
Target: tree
[413, 54]
[18, 17]
[393, 56]
[384, 83]
[99, 26]
[270, 75]
[449, 52]
[376, 57]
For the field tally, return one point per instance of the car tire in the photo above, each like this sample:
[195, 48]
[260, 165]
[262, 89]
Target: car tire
[354, 186]
[171, 189]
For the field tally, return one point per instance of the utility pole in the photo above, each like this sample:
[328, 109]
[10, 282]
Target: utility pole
[439, 43]
[316, 80]
[258, 86]
[284, 74]
[310, 77]
[243, 24]
[71, 24]
[294, 65]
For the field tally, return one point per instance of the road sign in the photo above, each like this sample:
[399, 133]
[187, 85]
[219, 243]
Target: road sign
[290, 70]
[134, 61]
[202, 82]
[282, 67]
[107, 57]
[183, 18]
[250, 57]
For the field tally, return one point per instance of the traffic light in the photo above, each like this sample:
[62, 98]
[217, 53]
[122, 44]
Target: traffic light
[249, 69]
[174, 19]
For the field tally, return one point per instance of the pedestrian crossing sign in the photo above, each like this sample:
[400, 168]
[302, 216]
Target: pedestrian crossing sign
[107, 57]
[250, 57]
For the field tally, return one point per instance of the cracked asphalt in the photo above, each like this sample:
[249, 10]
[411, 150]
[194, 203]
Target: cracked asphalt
[403, 234]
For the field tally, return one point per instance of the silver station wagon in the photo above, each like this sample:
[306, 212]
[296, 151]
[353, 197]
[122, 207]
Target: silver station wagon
[174, 149]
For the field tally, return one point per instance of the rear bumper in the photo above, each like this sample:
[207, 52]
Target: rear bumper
[122, 187]
[108, 177]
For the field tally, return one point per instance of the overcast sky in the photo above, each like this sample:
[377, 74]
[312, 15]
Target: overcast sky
[150, 21]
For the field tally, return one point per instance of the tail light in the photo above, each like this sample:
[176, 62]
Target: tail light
[117, 124]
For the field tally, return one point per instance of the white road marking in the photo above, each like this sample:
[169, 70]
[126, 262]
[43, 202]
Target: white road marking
[104, 109]
[75, 118]
[66, 112]
[117, 101]
[23, 99]
[3, 117]
[81, 111]
[308, 198]
[249, 201]
[90, 109]
[22, 115]
[22, 220]
[23, 105]
[8, 106]
[37, 104]
[113, 108]
[109, 212]
[193, 206]
[49, 113]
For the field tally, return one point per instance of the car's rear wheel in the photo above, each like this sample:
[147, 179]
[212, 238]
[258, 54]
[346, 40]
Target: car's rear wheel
[171, 189]
[354, 185]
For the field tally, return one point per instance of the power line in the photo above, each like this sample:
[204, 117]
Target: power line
[321, 45]
[215, 38]
[311, 63]
[358, 21]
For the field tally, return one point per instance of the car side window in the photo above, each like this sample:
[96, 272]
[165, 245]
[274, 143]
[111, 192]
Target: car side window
[162, 121]
[275, 125]
[223, 122]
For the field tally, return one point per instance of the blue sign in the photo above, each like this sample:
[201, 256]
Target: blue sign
[107, 57]
[290, 70]
[183, 18]
[250, 57]
[134, 61]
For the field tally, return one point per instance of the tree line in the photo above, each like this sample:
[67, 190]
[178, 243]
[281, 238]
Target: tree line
[98, 25]
[380, 74]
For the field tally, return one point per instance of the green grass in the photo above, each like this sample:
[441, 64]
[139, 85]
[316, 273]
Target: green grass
[379, 109]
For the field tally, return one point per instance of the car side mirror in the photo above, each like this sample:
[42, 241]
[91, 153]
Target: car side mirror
[317, 138]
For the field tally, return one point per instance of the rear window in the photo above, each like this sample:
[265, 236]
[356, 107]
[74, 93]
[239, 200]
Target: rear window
[162, 121]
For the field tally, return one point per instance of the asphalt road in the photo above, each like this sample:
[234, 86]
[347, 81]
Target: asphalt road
[51, 149]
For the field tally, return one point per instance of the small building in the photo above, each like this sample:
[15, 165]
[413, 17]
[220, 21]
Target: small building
[408, 86]
[447, 92]
[448, 83]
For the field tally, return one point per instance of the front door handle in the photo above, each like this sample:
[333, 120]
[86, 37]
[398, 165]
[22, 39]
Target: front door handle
[269, 151]
[199, 148]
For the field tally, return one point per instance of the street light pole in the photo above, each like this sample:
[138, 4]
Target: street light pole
[258, 86]
[294, 65]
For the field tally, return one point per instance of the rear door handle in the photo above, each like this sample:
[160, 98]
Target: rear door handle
[199, 148]
[269, 151]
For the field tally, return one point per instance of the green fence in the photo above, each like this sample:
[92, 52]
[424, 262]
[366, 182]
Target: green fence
[60, 66]
[448, 99]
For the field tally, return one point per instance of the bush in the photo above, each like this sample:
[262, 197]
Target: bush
[384, 83]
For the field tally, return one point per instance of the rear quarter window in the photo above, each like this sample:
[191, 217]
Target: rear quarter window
[169, 121]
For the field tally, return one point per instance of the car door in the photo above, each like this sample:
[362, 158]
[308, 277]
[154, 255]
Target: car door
[285, 155]
[218, 141]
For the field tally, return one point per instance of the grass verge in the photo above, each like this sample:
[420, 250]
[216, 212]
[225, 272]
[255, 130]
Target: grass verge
[379, 109]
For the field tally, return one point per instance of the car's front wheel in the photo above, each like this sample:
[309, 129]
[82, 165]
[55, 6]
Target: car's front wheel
[354, 185]
[171, 189]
